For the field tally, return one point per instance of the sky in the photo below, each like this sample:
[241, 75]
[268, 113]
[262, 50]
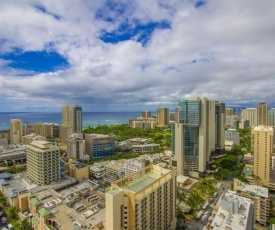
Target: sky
[135, 55]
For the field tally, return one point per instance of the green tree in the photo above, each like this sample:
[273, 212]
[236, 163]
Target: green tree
[26, 225]
[195, 200]
[12, 213]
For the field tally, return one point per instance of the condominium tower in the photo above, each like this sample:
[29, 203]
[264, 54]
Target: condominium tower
[15, 131]
[143, 202]
[198, 135]
[72, 115]
[43, 162]
[229, 111]
[146, 114]
[250, 114]
[262, 142]
[262, 114]
[271, 117]
[163, 117]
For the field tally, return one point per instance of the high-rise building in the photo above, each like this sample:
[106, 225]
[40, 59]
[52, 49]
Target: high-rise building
[262, 114]
[271, 117]
[72, 115]
[232, 135]
[163, 117]
[64, 132]
[99, 146]
[177, 111]
[15, 131]
[229, 111]
[262, 142]
[43, 162]
[250, 114]
[198, 135]
[76, 146]
[146, 114]
[143, 202]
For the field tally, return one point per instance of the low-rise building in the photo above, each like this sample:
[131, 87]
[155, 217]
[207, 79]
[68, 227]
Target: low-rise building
[260, 196]
[13, 154]
[114, 170]
[77, 170]
[132, 166]
[228, 145]
[145, 148]
[232, 135]
[26, 140]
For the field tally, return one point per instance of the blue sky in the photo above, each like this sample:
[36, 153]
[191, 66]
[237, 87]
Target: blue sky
[135, 55]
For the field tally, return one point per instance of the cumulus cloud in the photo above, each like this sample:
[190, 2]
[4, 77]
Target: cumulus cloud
[224, 50]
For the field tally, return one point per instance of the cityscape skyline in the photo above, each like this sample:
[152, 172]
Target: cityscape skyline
[119, 56]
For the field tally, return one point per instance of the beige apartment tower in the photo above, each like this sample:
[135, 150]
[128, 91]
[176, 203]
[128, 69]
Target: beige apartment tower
[43, 162]
[146, 114]
[250, 114]
[229, 111]
[72, 115]
[146, 202]
[262, 142]
[163, 117]
[262, 114]
[15, 131]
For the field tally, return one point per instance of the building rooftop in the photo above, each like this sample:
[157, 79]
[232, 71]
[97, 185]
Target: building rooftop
[42, 144]
[254, 190]
[263, 128]
[143, 182]
[235, 212]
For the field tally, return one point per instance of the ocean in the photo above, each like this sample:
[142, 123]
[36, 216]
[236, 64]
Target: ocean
[88, 118]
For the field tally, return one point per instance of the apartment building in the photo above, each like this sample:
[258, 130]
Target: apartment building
[72, 115]
[143, 202]
[260, 197]
[15, 131]
[76, 146]
[43, 162]
[232, 135]
[250, 114]
[262, 114]
[262, 143]
[163, 117]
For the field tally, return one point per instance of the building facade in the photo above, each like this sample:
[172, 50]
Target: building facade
[262, 143]
[260, 196]
[262, 114]
[64, 132]
[43, 162]
[147, 202]
[163, 117]
[146, 114]
[15, 131]
[229, 111]
[76, 146]
[271, 117]
[232, 135]
[99, 146]
[72, 115]
[250, 114]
